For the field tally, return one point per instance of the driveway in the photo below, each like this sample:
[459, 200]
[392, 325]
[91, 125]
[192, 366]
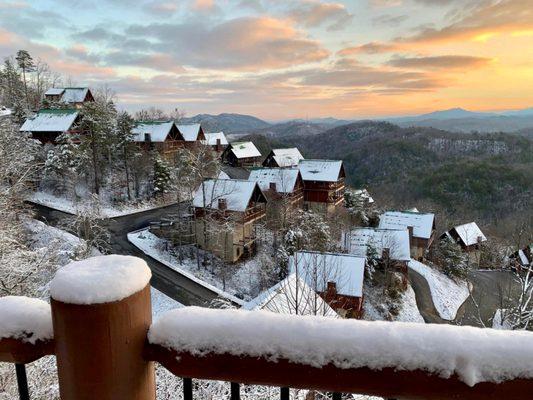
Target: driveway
[168, 281]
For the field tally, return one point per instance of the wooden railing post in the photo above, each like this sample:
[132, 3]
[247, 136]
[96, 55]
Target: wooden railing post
[99, 347]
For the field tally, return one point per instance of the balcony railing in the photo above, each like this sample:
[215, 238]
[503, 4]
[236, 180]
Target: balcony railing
[106, 351]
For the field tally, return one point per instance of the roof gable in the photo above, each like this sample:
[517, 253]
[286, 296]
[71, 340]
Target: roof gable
[422, 223]
[317, 269]
[321, 170]
[291, 296]
[287, 157]
[244, 150]
[50, 120]
[158, 130]
[211, 138]
[284, 178]
[396, 240]
[469, 233]
[190, 132]
[237, 194]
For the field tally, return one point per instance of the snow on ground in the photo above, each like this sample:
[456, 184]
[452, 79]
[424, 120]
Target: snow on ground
[498, 322]
[472, 354]
[70, 206]
[376, 309]
[155, 247]
[447, 294]
[162, 303]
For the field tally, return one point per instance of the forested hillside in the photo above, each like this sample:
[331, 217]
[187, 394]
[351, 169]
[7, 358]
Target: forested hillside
[486, 176]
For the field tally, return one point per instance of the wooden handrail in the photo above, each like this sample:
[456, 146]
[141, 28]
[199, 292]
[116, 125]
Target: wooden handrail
[19, 351]
[388, 383]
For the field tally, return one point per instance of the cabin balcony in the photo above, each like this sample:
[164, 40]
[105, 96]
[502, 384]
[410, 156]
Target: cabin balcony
[107, 350]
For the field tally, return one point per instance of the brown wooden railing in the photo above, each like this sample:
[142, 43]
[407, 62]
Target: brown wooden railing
[103, 353]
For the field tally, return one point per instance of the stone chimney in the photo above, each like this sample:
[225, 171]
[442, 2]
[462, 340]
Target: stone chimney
[272, 186]
[385, 254]
[147, 137]
[218, 146]
[222, 204]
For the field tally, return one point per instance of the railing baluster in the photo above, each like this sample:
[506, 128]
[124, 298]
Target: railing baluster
[284, 393]
[235, 391]
[22, 381]
[187, 389]
[336, 396]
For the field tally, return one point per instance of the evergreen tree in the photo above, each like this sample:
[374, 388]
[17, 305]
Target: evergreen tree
[162, 176]
[26, 64]
[125, 144]
[98, 123]
[449, 256]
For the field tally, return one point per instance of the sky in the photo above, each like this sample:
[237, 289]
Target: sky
[281, 59]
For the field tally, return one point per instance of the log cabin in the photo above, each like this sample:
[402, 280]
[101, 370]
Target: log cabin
[469, 237]
[283, 158]
[217, 141]
[226, 214]
[337, 278]
[48, 124]
[292, 295]
[421, 227]
[162, 136]
[73, 96]
[241, 154]
[323, 184]
[280, 184]
[391, 247]
[192, 134]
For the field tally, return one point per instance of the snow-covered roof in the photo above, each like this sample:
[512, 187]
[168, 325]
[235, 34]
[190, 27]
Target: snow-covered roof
[189, 132]
[4, 111]
[54, 91]
[422, 223]
[287, 157]
[284, 178]
[237, 194]
[396, 240]
[50, 120]
[291, 296]
[523, 257]
[158, 130]
[469, 233]
[74, 95]
[364, 194]
[317, 269]
[245, 150]
[320, 170]
[211, 138]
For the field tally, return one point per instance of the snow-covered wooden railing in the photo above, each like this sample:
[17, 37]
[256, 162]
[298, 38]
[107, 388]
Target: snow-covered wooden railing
[99, 328]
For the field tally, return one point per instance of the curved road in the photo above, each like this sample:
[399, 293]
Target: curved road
[168, 281]
[488, 290]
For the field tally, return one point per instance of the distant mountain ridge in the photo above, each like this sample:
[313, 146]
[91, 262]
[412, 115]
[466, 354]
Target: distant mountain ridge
[229, 123]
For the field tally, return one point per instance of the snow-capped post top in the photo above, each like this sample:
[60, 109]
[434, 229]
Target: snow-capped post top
[102, 279]
[25, 318]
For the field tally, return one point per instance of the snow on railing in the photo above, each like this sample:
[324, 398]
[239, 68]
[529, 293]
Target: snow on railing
[474, 355]
[101, 316]
[25, 319]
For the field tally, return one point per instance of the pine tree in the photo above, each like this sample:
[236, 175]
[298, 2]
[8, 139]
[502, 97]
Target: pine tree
[26, 64]
[449, 256]
[125, 144]
[98, 123]
[162, 176]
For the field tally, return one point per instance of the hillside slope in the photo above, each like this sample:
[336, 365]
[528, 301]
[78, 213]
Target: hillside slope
[487, 176]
